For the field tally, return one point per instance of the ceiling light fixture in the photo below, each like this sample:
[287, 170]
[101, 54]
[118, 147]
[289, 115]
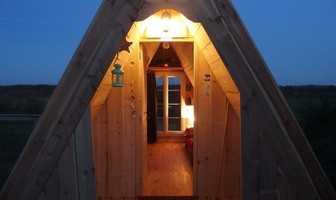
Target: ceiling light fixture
[166, 18]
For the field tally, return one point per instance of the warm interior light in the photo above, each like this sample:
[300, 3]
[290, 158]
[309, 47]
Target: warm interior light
[188, 113]
[166, 21]
[165, 15]
[166, 25]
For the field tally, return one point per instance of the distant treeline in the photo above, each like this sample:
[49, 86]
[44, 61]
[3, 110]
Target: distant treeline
[31, 99]
[26, 99]
[315, 109]
[309, 89]
[313, 106]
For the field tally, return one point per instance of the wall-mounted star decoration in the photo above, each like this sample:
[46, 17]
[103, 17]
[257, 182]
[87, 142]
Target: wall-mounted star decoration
[125, 46]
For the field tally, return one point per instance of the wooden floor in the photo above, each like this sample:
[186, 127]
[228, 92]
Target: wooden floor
[169, 170]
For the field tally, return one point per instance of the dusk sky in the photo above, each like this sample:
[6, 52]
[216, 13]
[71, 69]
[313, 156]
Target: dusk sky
[297, 38]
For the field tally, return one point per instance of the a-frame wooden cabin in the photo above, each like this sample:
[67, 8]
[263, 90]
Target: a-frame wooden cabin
[90, 141]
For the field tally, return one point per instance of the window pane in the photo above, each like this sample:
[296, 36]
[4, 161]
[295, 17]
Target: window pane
[174, 83]
[159, 96]
[174, 97]
[159, 110]
[159, 82]
[174, 124]
[159, 99]
[174, 111]
[159, 124]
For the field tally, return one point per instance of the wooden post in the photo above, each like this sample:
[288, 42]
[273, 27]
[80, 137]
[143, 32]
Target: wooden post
[100, 138]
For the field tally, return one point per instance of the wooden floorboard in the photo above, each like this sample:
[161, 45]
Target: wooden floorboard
[167, 198]
[169, 170]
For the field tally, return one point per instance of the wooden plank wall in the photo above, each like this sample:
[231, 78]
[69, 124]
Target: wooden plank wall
[74, 178]
[148, 51]
[116, 135]
[216, 64]
[184, 50]
[116, 123]
[131, 118]
[217, 137]
[104, 88]
[141, 135]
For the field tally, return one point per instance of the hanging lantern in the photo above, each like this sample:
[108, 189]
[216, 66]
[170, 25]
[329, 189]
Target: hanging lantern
[117, 76]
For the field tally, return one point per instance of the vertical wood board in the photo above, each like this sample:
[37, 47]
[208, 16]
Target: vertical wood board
[67, 172]
[130, 111]
[203, 127]
[114, 147]
[100, 138]
[217, 138]
[231, 182]
[86, 181]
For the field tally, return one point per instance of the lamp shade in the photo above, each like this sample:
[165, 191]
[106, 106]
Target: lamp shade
[117, 76]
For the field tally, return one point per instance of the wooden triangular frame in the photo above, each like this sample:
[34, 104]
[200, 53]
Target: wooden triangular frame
[260, 97]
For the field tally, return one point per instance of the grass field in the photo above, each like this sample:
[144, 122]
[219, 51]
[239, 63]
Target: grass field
[315, 110]
[13, 137]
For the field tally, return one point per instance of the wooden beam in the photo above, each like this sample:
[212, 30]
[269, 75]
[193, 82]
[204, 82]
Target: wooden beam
[70, 99]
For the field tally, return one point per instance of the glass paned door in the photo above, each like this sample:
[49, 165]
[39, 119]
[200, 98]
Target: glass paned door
[168, 92]
[174, 103]
[160, 103]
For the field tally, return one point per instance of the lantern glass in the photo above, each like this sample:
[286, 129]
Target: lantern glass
[117, 76]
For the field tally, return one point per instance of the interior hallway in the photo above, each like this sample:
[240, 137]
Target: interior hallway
[169, 170]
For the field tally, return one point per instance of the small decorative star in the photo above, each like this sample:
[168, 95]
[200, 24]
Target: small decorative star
[125, 46]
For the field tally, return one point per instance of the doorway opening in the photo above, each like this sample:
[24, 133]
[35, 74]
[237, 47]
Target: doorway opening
[119, 117]
[169, 163]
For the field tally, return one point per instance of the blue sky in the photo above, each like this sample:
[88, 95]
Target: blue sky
[297, 38]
